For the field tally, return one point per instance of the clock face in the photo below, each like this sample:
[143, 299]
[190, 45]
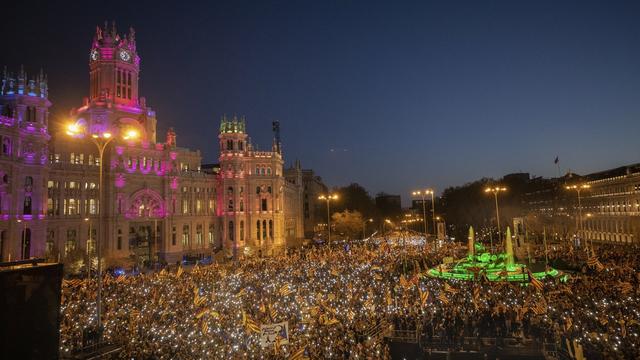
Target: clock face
[94, 55]
[124, 55]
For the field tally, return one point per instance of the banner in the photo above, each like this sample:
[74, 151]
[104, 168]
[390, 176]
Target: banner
[271, 333]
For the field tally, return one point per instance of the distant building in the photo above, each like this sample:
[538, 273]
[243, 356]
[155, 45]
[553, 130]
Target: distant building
[610, 206]
[389, 206]
[314, 211]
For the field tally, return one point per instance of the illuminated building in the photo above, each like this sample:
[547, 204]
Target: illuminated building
[24, 121]
[158, 201]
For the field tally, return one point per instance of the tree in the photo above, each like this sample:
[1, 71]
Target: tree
[354, 198]
[347, 224]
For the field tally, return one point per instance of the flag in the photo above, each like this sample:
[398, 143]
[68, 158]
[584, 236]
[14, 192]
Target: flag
[241, 292]
[594, 262]
[442, 297]
[249, 323]
[120, 279]
[556, 160]
[272, 313]
[202, 313]
[300, 354]
[625, 287]
[567, 324]
[449, 288]
[179, 272]
[540, 307]
[424, 296]
[535, 282]
[285, 290]
[205, 327]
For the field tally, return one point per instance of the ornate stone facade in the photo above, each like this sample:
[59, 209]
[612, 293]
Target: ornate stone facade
[158, 203]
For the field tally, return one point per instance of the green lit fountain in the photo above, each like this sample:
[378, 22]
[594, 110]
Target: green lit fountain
[480, 263]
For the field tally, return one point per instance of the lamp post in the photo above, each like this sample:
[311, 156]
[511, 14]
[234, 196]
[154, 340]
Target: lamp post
[495, 190]
[101, 139]
[577, 189]
[364, 228]
[424, 210]
[328, 199]
[88, 252]
[24, 239]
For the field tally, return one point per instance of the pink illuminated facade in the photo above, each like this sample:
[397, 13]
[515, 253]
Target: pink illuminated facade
[158, 202]
[24, 168]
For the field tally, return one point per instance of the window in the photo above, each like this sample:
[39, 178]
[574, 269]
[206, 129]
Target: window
[269, 171]
[229, 144]
[199, 235]
[231, 230]
[26, 209]
[198, 206]
[49, 206]
[240, 145]
[50, 245]
[271, 229]
[93, 209]
[185, 206]
[28, 182]
[264, 229]
[119, 239]
[6, 146]
[264, 204]
[173, 236]
[241, 230]
[230, 207]
[70, 244]
[211, 229]
[257, 189]
[258, 229]
[241, 205]
[185, 236]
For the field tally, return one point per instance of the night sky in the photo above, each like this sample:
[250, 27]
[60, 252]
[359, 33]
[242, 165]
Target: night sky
[392, 95]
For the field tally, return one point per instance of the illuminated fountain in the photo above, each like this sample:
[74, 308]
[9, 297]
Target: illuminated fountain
[479, 263]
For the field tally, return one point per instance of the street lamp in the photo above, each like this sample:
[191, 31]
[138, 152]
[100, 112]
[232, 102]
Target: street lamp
[495, 190]
[24, 239]
[101, 139]
[364, 228]
[577, 188]
[328, 199]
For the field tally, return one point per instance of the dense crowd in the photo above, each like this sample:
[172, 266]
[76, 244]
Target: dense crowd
[338, 302]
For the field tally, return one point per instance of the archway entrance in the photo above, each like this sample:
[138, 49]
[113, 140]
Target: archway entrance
[146, 213]
[26, 243]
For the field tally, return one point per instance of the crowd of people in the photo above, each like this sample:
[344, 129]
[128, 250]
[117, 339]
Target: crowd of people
[339, 301]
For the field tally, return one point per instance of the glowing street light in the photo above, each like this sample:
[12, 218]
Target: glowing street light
[495, 190]
[577, 188]
[328, 198]
[423, 194]
[101, 140]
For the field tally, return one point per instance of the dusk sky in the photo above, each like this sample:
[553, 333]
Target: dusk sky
[392, 95]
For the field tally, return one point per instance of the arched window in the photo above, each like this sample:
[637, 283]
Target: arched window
[258, 229]
[268, 171]
[230, 190]
[271, 229]
[240, 145]
[241, 230]
[231, 230]
[28, 181]
[230, 208]
[257, 170]
[241, 205]
[229, 144]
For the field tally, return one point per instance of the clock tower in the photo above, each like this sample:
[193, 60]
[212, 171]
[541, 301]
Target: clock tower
[114, 67]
